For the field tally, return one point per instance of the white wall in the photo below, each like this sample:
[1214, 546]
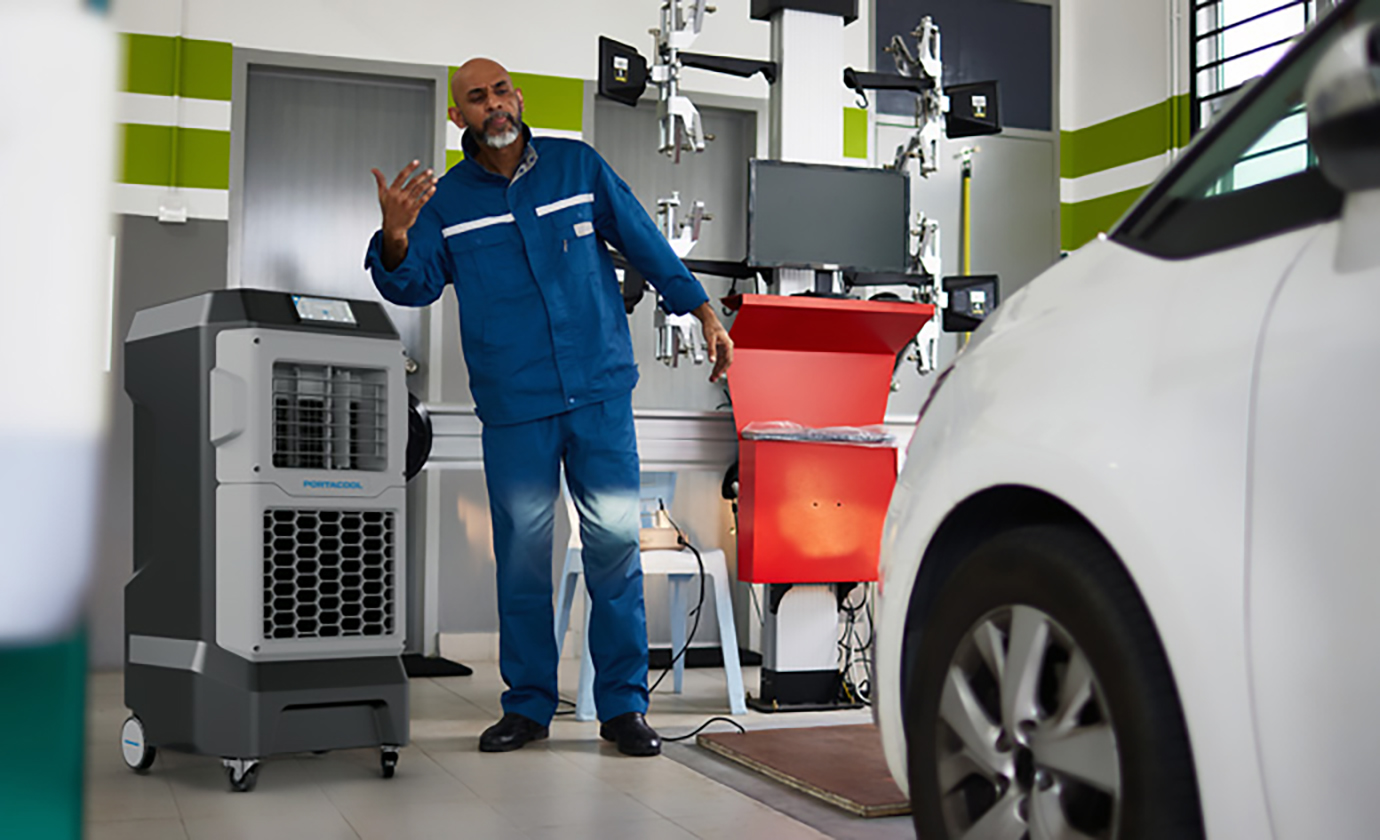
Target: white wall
[552, 37]
[1117, 57]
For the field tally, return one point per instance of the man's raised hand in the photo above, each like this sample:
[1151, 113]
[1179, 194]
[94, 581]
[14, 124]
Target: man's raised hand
[403, 199]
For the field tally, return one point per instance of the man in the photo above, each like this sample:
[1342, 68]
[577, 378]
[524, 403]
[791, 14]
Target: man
[519, 228]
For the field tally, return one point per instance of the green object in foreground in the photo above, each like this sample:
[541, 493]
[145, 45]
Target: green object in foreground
[43, 705]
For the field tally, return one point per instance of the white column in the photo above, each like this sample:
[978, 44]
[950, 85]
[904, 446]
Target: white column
[807, 118]
[806, 114]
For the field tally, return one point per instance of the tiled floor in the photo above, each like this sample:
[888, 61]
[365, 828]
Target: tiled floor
[571, 786]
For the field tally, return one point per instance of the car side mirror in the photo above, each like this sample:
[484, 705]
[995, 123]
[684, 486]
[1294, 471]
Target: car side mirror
[1343, 96]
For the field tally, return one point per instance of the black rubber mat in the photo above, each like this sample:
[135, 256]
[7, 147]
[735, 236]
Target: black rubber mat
[417, 665]
[842, 765]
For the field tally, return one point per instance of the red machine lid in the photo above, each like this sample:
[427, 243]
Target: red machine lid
[817, 361]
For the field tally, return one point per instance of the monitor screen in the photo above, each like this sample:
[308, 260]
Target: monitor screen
[825, 217]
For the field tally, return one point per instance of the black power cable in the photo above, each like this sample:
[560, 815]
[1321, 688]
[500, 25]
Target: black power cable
[690, 637]
[851, 644]
[699, 605]
[687, 736]
[697, 612]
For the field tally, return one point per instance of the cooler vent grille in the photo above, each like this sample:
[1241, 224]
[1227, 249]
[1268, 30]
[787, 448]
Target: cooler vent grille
[328, 573]
[327, 417]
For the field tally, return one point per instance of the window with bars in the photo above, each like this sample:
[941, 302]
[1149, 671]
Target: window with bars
[1255, 174]
[1235, 41]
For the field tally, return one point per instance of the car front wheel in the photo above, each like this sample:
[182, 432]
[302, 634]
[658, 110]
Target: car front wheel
[1041, 704]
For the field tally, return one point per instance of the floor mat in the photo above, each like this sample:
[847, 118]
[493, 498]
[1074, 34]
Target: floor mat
[842, 765]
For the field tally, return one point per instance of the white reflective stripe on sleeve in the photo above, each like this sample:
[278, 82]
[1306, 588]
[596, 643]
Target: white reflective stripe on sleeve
[583, 198]
[466, 227]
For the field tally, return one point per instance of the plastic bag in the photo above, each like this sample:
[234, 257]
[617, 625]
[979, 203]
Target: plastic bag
[789, 430]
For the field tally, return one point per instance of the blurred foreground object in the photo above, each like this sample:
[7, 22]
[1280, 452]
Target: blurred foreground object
[56, 165]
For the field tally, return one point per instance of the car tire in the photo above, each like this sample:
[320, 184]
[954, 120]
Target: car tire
[1041, 700]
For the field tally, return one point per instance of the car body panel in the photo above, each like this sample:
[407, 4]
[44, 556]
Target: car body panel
[1118, 383]
[1314, 578]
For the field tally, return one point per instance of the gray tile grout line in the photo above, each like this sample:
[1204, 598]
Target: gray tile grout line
[172, 792]
[343, 816]
[560, 754]
[693, 677]
[461, 783]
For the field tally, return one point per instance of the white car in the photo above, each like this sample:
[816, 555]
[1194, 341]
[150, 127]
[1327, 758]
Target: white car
[1131, 568]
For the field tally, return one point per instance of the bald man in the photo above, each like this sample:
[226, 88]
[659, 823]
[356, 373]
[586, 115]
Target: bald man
[520, 229]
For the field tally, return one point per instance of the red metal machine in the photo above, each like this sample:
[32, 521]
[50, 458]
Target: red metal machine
[812, 512]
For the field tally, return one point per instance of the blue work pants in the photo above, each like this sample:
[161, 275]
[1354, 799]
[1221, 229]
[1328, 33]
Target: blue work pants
[598, 445]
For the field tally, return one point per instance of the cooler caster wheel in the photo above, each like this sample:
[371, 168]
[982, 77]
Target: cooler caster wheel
[243, 773]
[388, 761]
[139, 755]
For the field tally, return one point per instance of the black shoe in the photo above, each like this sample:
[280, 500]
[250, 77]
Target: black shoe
[632, 734]
[511, 733]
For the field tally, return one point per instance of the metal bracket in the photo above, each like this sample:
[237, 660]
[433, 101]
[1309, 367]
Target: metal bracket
[921, 73]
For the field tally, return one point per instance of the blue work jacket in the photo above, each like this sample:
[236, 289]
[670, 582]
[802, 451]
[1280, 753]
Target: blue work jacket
[542, 322]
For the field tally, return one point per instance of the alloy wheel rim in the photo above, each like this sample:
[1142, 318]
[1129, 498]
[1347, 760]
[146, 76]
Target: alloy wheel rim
[1025, 746]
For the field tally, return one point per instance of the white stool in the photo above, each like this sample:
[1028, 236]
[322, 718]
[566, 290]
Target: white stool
[681, 570]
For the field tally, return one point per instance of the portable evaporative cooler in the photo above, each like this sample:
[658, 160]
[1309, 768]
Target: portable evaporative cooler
[265, 614]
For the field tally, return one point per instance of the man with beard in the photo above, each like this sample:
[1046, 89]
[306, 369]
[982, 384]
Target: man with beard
[518, 228]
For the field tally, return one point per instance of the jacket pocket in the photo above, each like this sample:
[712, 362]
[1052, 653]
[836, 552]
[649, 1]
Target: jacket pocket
[479, 255]
[571, 233]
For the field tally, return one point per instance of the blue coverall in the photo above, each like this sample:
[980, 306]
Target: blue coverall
[551, 368]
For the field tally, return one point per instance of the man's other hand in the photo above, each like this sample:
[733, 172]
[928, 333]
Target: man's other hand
[403, 199]
[716, 339]
[401, 202]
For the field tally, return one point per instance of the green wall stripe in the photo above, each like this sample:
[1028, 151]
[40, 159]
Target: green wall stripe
[150, 61]
[553, 102]
[1080, 221]
[453, 156]
[147, 154]
[207, 69]
[854, 133]
[203, 157]
[1125, 139]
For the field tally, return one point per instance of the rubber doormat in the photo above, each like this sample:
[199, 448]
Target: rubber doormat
[842, 765]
